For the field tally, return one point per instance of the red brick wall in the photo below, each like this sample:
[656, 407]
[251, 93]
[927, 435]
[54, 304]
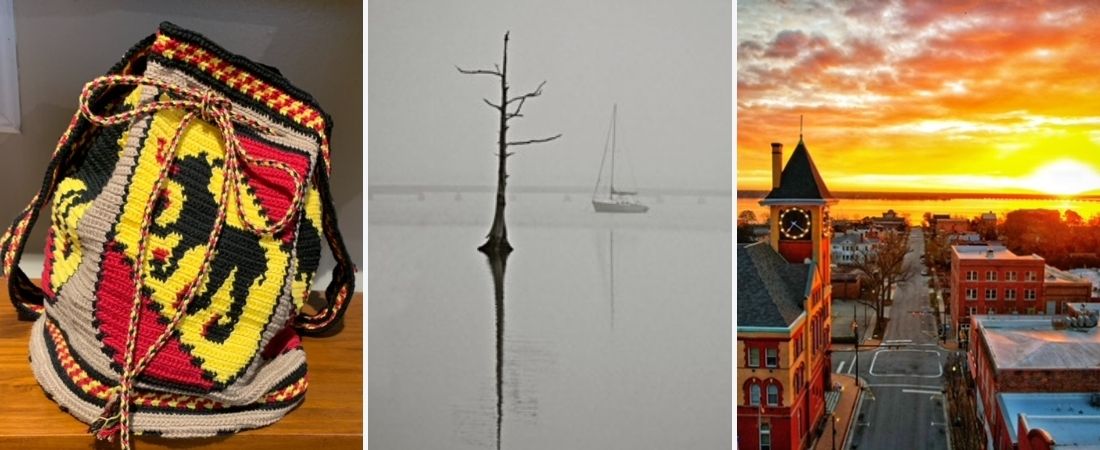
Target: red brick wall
[1059, 380]
[960, 305]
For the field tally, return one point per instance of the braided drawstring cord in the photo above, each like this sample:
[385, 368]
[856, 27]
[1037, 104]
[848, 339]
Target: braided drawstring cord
[217, 110]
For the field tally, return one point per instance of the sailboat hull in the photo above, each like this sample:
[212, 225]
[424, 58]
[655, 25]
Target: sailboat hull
[603, 206]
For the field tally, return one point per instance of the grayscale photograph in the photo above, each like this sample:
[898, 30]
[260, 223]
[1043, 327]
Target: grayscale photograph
[549, 224]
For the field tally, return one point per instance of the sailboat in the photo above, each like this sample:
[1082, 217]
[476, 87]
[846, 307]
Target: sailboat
[616, 200]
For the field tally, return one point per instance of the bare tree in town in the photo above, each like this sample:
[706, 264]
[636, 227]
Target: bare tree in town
[509, 108]
[882, 267]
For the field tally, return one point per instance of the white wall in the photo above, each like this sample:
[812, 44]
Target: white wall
[63, 44]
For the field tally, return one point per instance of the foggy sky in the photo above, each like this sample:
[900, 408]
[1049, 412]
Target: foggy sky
[666, 64]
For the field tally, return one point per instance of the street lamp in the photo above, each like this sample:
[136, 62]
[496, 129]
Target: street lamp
[835, 420]
[855, 331]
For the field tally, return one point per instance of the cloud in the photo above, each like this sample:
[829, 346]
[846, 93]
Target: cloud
[998, 82]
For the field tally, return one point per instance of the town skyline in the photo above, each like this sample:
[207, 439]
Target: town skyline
[901, 97]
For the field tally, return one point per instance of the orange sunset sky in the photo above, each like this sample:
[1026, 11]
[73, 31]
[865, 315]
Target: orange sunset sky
[923, 96]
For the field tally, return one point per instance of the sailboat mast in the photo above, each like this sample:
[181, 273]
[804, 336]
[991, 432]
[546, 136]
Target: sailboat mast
[614, 120]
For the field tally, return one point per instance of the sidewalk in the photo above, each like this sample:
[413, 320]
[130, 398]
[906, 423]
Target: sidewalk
[845, 408]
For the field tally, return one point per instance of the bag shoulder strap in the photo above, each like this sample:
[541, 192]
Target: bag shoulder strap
[26, 297]
[342, 287]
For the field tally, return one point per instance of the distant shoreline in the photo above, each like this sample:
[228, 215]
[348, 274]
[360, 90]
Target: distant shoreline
[392, 189]
[857, 195]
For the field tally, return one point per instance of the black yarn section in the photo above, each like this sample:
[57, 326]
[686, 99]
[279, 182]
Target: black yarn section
[237, 249]
[308, 247]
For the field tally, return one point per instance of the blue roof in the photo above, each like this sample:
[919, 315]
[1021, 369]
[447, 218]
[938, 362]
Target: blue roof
[1068, 417]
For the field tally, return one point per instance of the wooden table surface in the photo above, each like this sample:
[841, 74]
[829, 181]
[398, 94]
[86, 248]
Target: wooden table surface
[330, 418]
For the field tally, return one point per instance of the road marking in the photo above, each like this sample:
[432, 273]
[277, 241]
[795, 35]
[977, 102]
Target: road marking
[897, 385]
[840, 368]
[898, 341]
[853, 364]
[939, 368]
[918, 391]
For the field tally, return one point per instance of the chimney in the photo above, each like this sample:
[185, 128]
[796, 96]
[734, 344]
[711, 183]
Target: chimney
[989, 254]
[777, 163]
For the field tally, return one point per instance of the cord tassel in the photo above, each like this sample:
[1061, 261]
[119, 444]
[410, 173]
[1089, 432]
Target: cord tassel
[107, 425]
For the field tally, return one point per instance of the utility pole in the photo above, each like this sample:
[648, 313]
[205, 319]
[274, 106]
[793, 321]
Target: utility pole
[855, 331]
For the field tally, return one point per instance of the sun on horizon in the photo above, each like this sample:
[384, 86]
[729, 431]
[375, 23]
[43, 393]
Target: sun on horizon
[1065, 177]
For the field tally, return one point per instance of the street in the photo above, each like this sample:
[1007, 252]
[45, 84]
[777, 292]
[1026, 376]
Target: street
[903, 407]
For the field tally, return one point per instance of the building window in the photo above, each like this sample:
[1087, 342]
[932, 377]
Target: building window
[1010, 294]
[1010, 276]
[992, 311]
[1029, 294]
[991, 275]
[765, 437]
[971, 293]
[754, 395]
[1031, 311]
[754, 357]
[990, 294]
[772, 356]
[972, 310]
[773, 395]
[972, 275]
[1031, 276]
[797, 346]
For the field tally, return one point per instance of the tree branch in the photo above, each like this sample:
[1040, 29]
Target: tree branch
[534, 141]
[494, 105]
[479, 72]
[537, 92]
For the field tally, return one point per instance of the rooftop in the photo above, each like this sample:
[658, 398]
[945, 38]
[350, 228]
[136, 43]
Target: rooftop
[1031, 342]
[847, 238]
[1084, 308]
[998, 252]
[799, 180]
[1055, 275]
[1070, 418]
[770, 291]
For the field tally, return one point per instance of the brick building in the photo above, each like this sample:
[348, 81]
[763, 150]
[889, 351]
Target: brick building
[951, 226]
[1028, 371]
[783, 313]
[993, 280]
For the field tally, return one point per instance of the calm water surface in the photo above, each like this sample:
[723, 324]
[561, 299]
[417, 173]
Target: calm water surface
[612, 331]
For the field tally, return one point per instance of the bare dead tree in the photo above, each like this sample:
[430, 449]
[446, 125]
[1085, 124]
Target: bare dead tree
[883, 267]
[497, 242]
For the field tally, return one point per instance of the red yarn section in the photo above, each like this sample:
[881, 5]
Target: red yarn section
[273, 187]
[116, 293]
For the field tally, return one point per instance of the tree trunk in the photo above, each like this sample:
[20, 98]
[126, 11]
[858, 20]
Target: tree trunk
[497, 242]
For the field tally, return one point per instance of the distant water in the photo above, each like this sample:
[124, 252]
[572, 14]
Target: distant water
[915, 209]
[613, 332]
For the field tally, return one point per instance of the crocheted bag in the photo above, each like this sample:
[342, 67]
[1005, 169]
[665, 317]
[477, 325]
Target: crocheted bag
[189, 195]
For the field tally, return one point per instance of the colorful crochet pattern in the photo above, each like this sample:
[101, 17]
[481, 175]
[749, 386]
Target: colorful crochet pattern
[189, 199]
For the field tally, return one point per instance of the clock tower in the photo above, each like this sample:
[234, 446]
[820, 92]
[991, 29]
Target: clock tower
[799, 208]
[784, 312]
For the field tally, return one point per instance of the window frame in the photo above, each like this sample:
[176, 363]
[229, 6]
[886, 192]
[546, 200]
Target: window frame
[765, 431]
[753, 351]
[972, 294]
[768, 358]
[10, 113]
[972, 275]
[991, 275]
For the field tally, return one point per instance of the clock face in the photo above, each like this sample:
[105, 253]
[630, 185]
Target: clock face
[794, 223]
